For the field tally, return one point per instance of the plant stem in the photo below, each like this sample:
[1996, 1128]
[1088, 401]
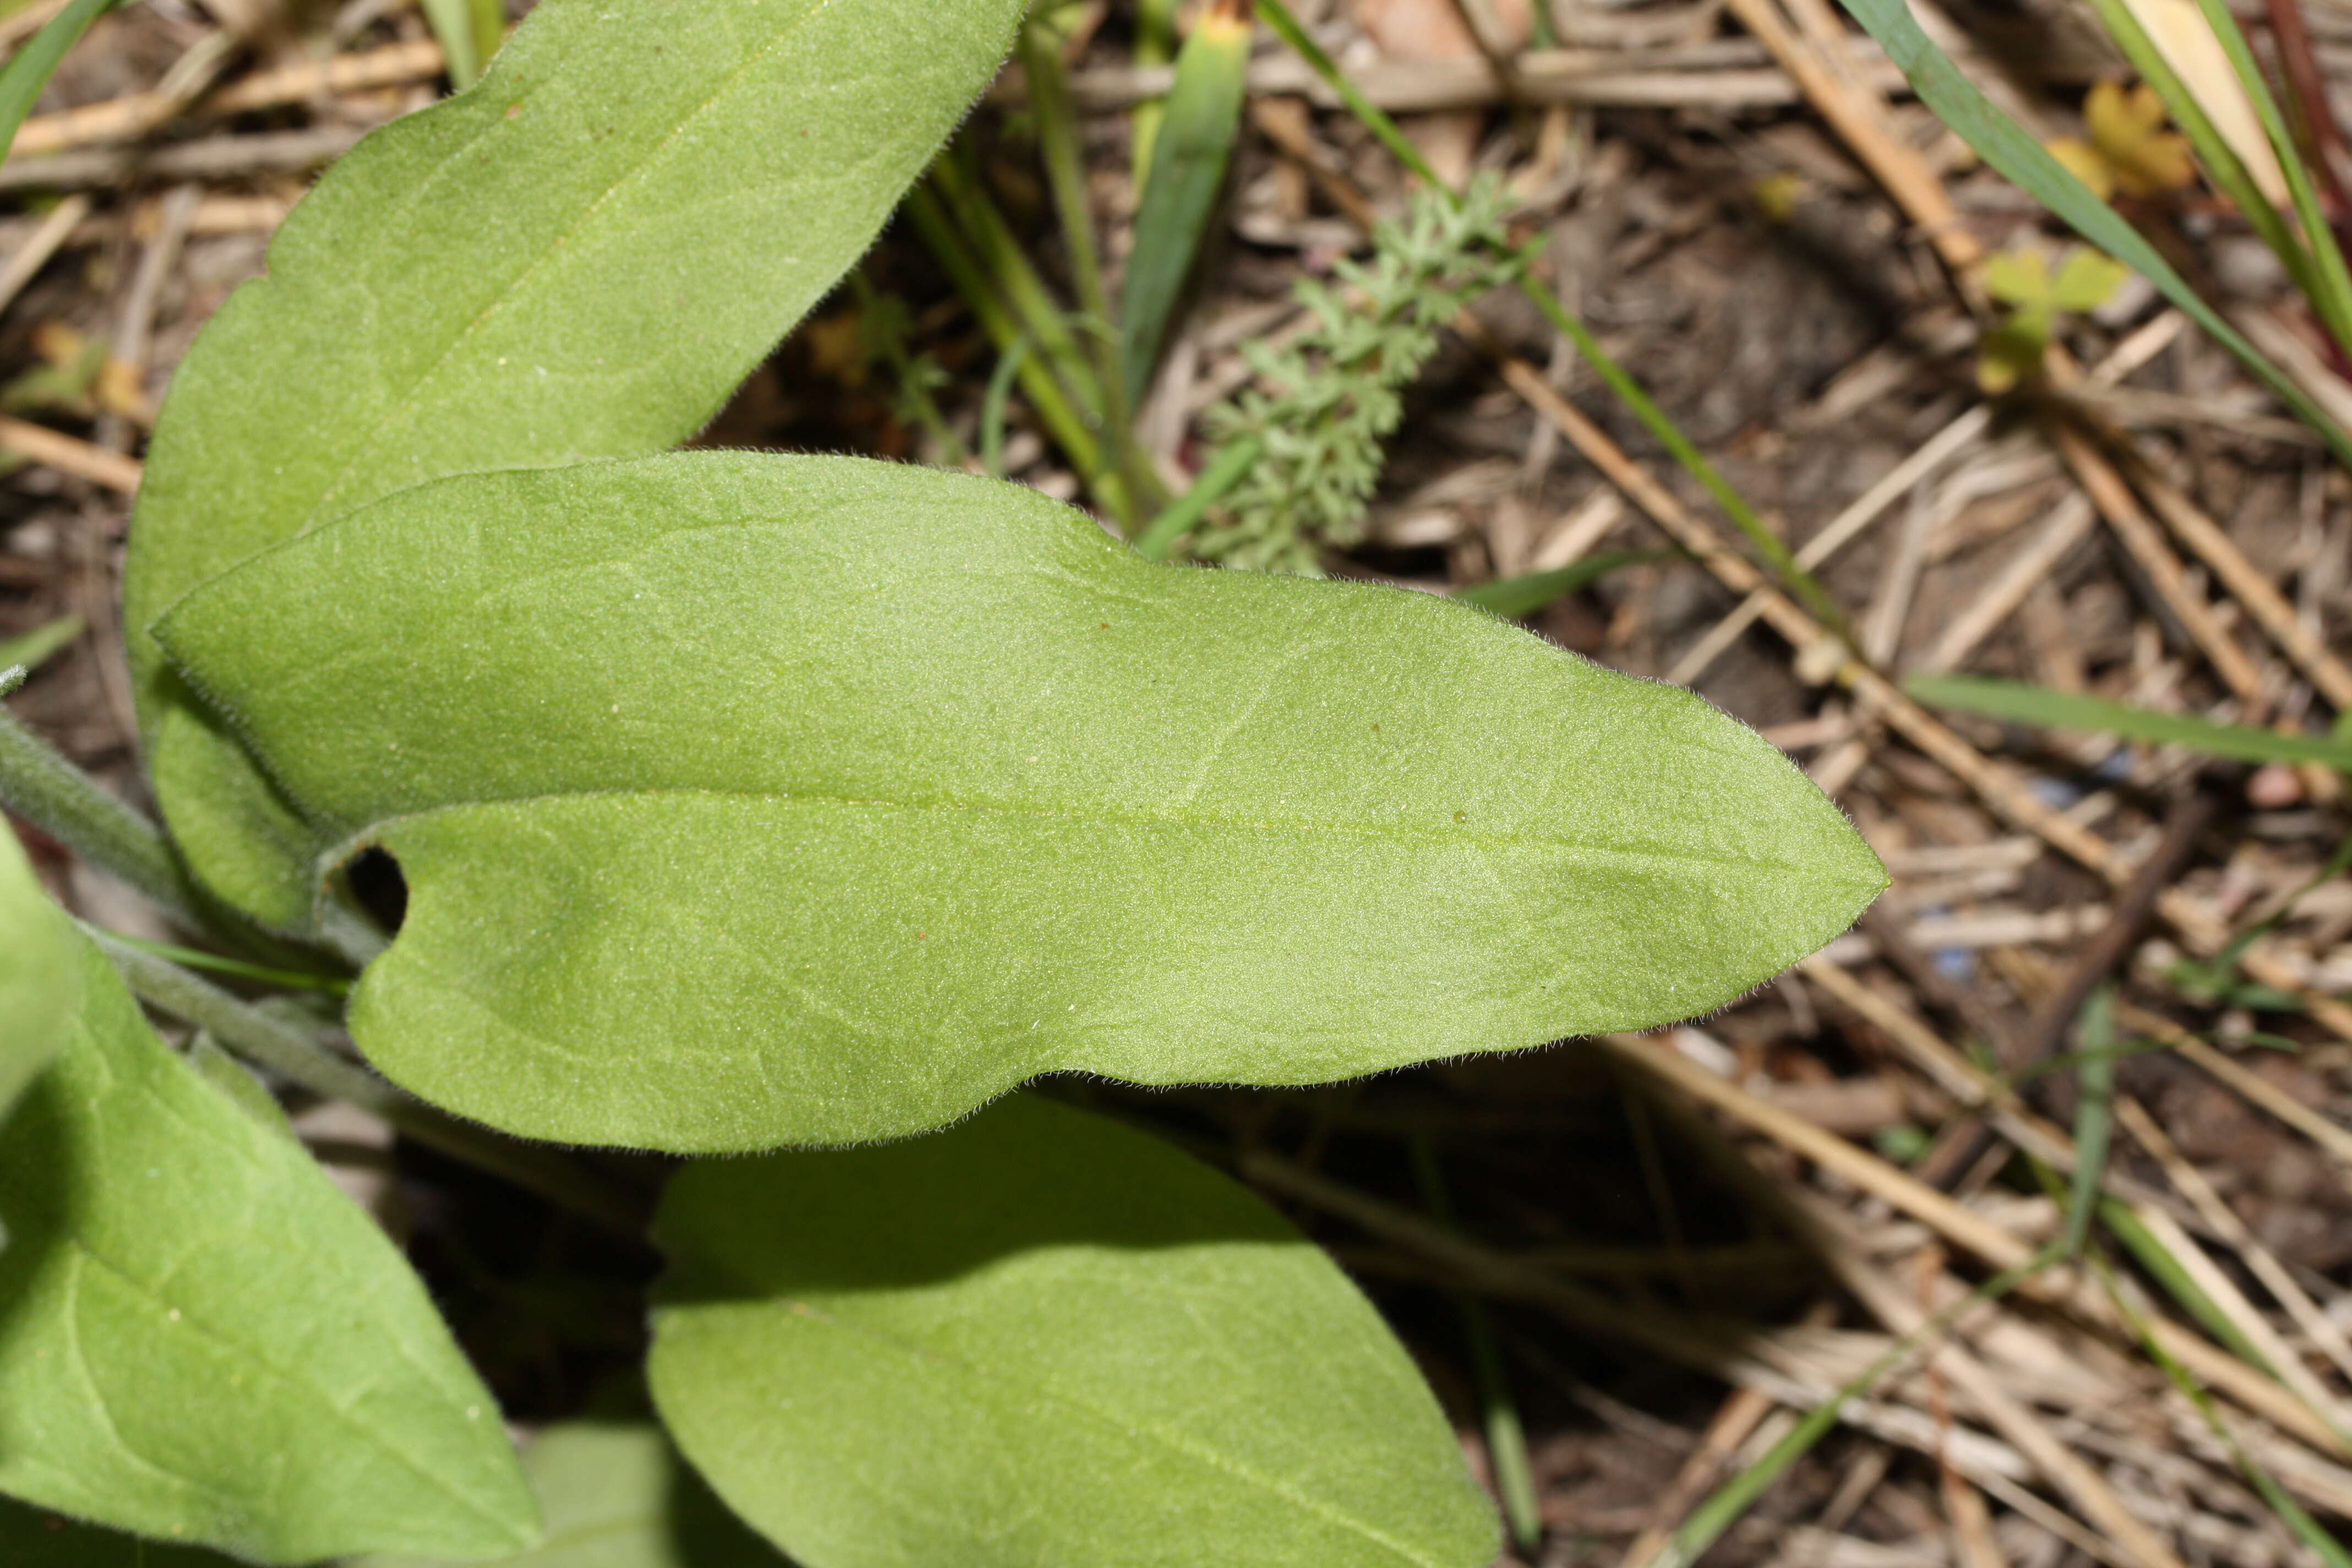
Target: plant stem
[1507, 1438]
[1046, 395]
[40, 785]
[1185, 512]
[1057, 139]
[289, 1051]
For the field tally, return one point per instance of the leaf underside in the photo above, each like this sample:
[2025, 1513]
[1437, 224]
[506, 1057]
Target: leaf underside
[746, 800]
[577, 258]
[203, 1342]
[1040, 1337]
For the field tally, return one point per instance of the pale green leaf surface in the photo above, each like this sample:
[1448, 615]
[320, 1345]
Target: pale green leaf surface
[746, 800]
[203, 1342]
[577, 258]
[616, 1494]
[1041, 1338]
[40, 985]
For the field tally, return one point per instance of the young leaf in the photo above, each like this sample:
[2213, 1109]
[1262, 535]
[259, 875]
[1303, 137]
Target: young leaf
[616, 1494]
[746, 800]
[1041, 1338]
[39, 985]
[203, 1342]
[576, 258]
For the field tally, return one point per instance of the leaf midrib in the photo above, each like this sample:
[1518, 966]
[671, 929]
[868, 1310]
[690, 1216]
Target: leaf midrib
[1464, 837]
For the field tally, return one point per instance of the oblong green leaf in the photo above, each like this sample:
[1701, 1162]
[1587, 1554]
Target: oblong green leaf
[40, 986]
[1041, 1338]
[576, 258]
[616, 1494]
[746, 800]
[203, 1342]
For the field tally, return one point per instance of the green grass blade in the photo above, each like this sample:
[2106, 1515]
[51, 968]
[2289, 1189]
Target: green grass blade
[1155, 45]
[1185, 512]
[1516, 598]
[40, 645]
[1188, 171]
[2221, 162]
[29, 68]
[2004, 144]
[2095, 1078]
[2305, 1529]
[2153, 1256]
[469, 32]
[2330, 290]
[2045, 709]
[1723, 1507]
[1064, 420]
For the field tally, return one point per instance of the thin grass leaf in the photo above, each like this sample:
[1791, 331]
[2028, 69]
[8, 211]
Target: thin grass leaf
[29, 68]
[469, 32]
[2156, 1259]
[2094, 1081]
[1783, 563]
[2006, 145]
[2222, 164]
[1516, 598]
[2330, 291]
[40, 645]
[1188, 171]
[1183, 514]
[1507, 1438]
[2022, 703]
[1155, 45]
[1723, 1507]
[991, 406]
[2291, 1513]
[1057, 142]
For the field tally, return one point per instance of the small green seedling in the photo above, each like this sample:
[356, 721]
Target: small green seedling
[799, 807]
[2013, 351]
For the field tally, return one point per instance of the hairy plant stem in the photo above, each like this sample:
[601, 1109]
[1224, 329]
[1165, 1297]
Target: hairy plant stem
[268, 1042]
[1057, 140]
[40, 785]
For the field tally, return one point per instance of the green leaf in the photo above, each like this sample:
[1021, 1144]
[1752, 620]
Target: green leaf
[616, 1495]
[35, 1538]
[41, 643]
[577, 258]
[1190, 150]
[1041, 1338]
[1516, 598]
[2048, 708]
[41, 988]
[203, 1342]
[746, 800]
[2002, 143]
[29, 68]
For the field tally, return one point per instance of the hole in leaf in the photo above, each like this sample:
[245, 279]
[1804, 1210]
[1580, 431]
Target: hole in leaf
[378, 887]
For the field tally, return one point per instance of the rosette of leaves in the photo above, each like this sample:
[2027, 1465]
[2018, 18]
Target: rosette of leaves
[736, 801]
[1323, 405]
